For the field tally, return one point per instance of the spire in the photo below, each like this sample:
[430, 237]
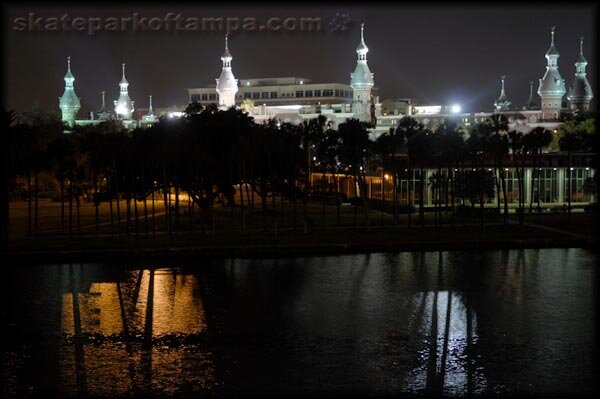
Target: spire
[226, 57]
[552, 55]
[149, 117]
[124, 105]
[362, 48]
[361, 81]
[124, 82]
[580, 93]
[502, 93]
[69, 78]
[227, 85]
[362, 76]
[69, 103]
[103, 108]
[103, 113]
[552, 86]
[581, 59]
[502, 104]
[530, 102]
[150, 109]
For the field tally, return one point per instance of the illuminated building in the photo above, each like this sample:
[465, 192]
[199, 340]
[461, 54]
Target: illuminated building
[580, 92]
[69, 103]
[226, 83]
[124, 105]
[295, 99]
[552, 85]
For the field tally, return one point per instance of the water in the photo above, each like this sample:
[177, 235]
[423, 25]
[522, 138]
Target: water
[457, 323]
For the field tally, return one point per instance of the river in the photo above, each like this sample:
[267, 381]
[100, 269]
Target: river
[457, 323]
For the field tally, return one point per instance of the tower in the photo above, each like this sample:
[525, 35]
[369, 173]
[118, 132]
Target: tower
[124, 105]
[580, 92]
[103, 113]
[227, 84]
[531, 104]
[69, 103]
[552, 86]
[362, 82]
[149, 117]
[502, 104]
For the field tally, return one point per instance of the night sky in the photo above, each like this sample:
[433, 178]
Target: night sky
[433, 54]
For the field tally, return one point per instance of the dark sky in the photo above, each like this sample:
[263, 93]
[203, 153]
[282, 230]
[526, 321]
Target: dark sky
[435, 54]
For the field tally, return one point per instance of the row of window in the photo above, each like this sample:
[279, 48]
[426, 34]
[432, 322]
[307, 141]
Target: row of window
[204, 97]
[546, 188]
[264, 95]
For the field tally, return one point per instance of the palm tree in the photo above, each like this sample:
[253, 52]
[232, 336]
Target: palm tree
[518, 150]
[570, 142]
[62, 152]
[478, 148]
[575, 134]
[355, 148]
[413, 131]
[539, 138]
[310, 131]
[498, 149]
[327, 152]
[393, 152]
[419, 145]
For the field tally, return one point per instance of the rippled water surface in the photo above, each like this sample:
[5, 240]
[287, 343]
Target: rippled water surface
[501, 322]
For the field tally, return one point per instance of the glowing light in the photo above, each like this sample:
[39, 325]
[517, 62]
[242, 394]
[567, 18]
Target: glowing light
[427, 109]
[456, 108]
[121, 109]
[288, 106]
[386, 177]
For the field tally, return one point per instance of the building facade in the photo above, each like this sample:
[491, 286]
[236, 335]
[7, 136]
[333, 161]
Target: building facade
[296, 99]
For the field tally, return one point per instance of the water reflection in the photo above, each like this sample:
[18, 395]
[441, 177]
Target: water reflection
[112, 332]
[431, 323]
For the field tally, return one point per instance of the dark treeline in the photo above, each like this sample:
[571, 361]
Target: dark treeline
[210, 154]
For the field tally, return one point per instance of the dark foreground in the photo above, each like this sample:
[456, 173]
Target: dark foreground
[485, 322]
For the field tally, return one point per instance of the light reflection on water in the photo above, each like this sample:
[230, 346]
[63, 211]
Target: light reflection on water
[453, 323]
[108, 331]
[451, 331]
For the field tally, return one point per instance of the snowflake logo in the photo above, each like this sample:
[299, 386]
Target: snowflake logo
[339, 23]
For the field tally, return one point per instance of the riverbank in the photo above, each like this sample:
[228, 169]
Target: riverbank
[289, 243]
